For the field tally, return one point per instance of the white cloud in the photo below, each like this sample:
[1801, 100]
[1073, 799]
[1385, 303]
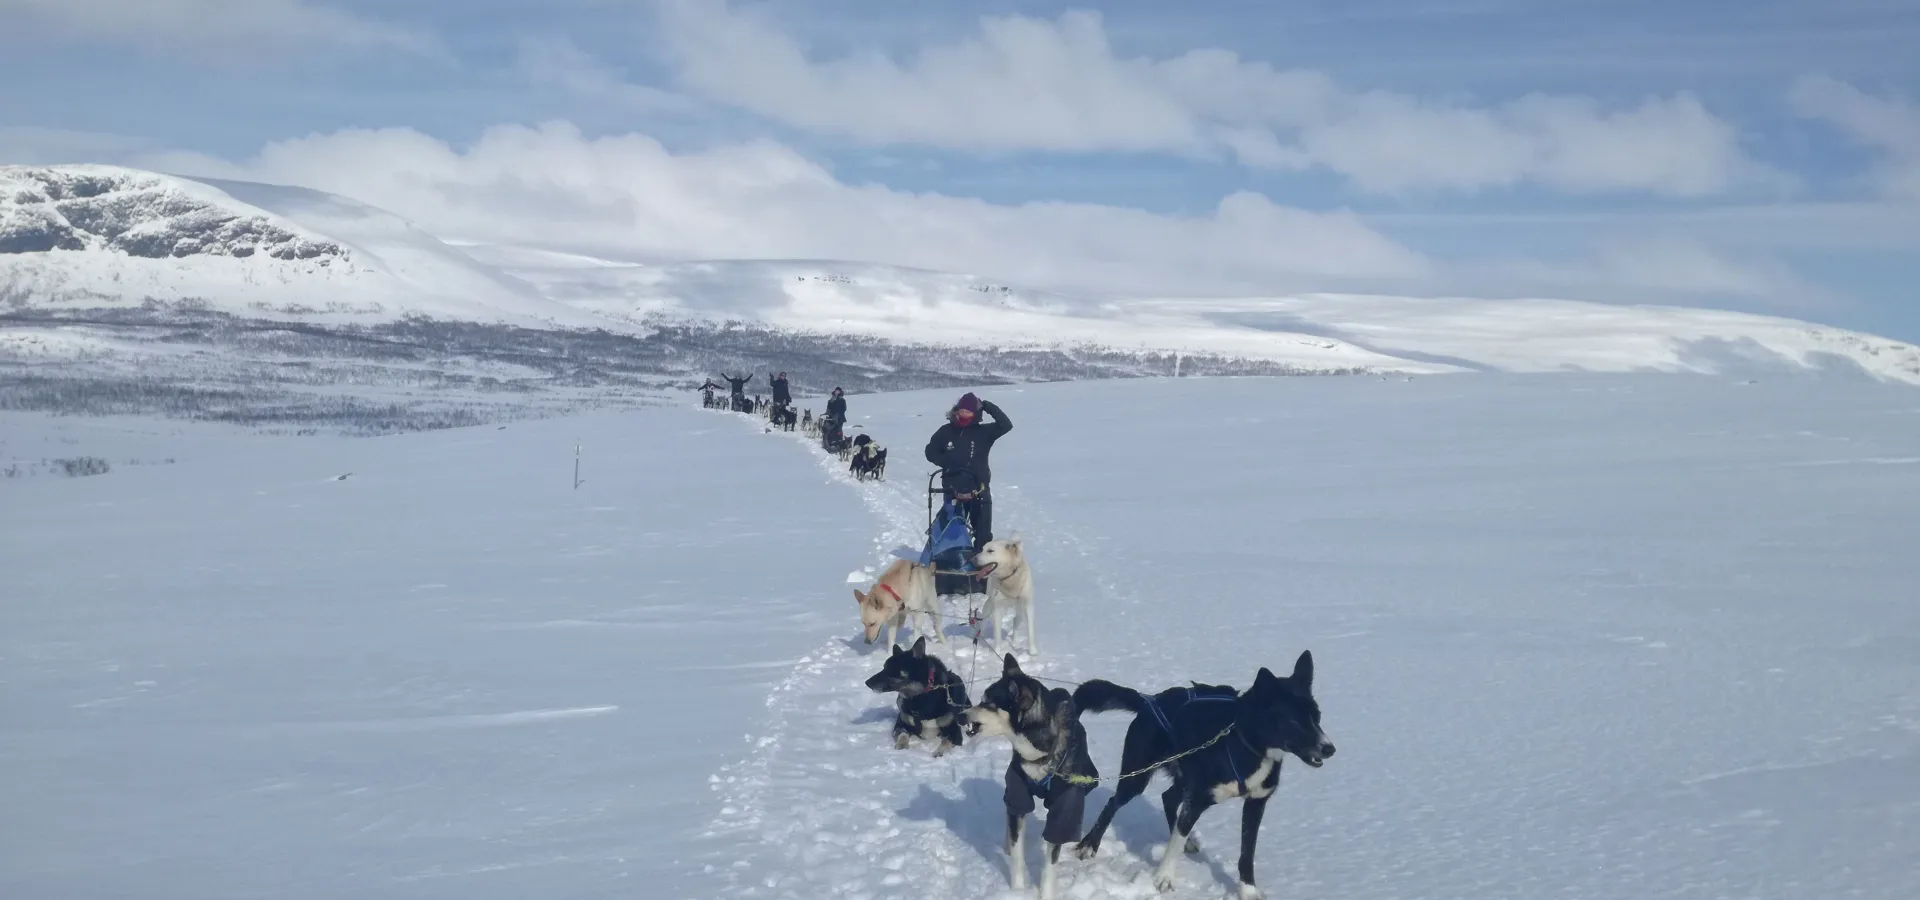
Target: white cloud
[1677, 264]
[239, 27]
[1662, 268]
[629, 196]
[1394, 143]
[1890, 125]
[556, 62]
[1057, 85]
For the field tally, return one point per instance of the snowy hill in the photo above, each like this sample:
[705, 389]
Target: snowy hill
[1388, 334]
[1607, 637]
[77, 238]
[101, 236]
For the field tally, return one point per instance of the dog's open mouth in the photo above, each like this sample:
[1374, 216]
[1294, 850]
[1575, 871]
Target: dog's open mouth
[1313, 759]
[973, 729]
[987, 569]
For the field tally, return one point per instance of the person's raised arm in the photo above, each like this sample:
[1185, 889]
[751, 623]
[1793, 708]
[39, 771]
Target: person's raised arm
[1001, 424]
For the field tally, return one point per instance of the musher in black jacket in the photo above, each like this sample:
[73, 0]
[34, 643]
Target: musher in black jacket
[737, 391]
[962, 445]
[781, 395]
[833, 421]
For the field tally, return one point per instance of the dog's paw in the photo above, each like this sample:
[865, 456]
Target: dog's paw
[1249, 892]
[1163, 881]
[942, 749]
[1086, 851]
[900, 741]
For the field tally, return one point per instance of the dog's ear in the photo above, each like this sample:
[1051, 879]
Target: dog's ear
[1264, 682]
[1016, 540]
[1010, 667]
[1302, 679]
[920, 648]
[1029, 704]
[859, 597]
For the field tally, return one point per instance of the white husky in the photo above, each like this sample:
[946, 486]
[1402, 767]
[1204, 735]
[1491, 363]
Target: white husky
[1009, 588]
[904, 590]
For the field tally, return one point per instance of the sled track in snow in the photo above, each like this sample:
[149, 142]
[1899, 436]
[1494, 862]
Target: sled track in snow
[837, 811]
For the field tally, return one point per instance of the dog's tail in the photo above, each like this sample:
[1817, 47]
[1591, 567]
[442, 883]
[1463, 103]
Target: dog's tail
[1105, 696]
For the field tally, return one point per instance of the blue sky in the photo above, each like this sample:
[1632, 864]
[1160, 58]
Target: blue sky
[1761, 156]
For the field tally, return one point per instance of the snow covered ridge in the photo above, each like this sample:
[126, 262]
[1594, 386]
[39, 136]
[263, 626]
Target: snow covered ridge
[79, 238]
[87, 237]
[1314, 332]
[82, 208]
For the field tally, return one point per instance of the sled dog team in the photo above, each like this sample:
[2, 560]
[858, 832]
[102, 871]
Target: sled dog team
[1215, 742]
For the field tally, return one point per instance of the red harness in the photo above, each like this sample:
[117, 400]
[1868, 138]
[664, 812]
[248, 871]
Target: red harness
[896, 595]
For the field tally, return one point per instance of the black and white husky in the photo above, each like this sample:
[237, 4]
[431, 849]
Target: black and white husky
[932, 697]
[1050, 761]
[1233, 744]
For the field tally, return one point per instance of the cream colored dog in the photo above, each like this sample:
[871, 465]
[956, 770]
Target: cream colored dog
[904, 589]
[1009, 589]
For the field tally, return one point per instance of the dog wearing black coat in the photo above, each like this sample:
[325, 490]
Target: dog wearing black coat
[1050, 761]
[869, 459]
[932, 697]
[1217, 745]
[782, 417]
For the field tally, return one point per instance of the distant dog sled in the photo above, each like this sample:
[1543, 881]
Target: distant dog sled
[869, 460]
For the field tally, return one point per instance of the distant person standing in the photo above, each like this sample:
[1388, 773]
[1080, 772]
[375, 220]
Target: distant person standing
[960, 448]
[781, 395]
[737, 391]
[837, 406]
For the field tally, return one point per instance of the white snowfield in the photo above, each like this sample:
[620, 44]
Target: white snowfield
[386, 268]
[1576, 636]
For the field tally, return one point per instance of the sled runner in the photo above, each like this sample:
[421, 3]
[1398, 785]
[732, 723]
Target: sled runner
[949, 549]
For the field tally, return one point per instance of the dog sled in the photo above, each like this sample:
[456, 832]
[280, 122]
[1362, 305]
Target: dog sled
[833, 438]
[949, 550]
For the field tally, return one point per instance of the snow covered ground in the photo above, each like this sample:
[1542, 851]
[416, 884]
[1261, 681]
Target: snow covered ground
[1583, 636]
[448, 675]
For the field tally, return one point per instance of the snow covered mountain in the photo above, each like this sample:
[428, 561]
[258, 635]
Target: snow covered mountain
[105, 237]
[1332, 331]
[88, 237]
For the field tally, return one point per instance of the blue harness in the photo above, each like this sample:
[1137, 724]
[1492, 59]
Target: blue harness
[1166, 725]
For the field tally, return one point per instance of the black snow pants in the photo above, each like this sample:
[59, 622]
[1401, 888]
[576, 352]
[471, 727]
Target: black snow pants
[979, 513]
